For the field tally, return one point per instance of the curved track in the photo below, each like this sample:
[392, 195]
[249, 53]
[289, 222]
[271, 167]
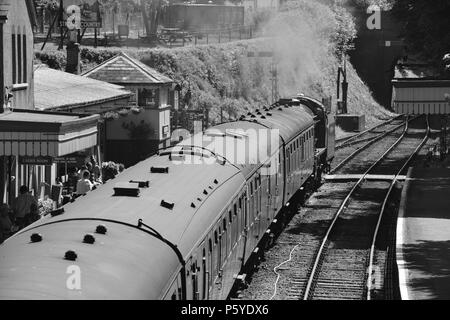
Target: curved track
[344, 260]
[370, 133]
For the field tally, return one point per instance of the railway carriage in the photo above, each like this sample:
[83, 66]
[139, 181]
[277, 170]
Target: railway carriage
[179, 225]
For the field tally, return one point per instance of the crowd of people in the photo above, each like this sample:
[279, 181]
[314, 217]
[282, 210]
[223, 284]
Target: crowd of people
[25, 208]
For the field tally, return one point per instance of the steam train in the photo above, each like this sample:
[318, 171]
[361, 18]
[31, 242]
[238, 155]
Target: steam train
[181, 224]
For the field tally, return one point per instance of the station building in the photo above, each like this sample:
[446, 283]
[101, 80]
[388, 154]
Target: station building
[31, 139]
[418, 88]
[137, 135]
[67, 93]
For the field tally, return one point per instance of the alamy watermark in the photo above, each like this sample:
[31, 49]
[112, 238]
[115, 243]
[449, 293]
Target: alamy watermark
[374, 20]
[73, 281]
[235, 146]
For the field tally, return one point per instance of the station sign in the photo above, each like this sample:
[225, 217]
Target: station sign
[80, 14]
[68, 160]
[36, 160]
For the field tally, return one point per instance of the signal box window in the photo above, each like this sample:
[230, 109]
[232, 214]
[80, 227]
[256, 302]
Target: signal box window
[148, 98]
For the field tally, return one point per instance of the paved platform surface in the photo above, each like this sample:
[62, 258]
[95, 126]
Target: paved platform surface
[423, 235]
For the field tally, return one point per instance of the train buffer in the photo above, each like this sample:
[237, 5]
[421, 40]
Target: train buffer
[356, 177]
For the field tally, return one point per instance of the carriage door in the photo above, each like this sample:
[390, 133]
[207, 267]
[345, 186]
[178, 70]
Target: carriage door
[194, 278]
[269, 195]
[205, 273]
[211, 265]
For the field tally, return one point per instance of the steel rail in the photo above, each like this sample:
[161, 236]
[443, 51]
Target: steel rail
[343, 206]
[347, 139]
[383, 208]
[362, 148]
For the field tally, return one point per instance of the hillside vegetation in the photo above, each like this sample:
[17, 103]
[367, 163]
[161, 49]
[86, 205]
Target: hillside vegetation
[307, 38]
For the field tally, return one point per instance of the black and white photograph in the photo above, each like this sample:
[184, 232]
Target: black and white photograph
[248, 152]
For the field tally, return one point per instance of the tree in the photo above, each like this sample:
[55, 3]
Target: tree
[426, 25]
[151, 13]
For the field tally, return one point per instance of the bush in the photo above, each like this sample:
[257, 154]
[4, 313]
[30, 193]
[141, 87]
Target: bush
[306, 38]
[110, 170]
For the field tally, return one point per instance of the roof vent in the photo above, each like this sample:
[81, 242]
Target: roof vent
[249, 114]
[205, 192]
[142, 184]
[89, 238]
[215, 181]
[36, 237]
[176, 157]
[159, 169]
[263, 117]
[57, 212]
[168, 205]
[70, 255]
[252, 116]
[126, 189]
[269, 114]
[199, 199]
[280, 109]
[192, 205]
[101, 229]
[221, 161]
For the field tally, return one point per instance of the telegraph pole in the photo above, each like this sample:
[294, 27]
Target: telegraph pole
[273, 70]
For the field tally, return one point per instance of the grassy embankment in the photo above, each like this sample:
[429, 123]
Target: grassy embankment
[306, 38]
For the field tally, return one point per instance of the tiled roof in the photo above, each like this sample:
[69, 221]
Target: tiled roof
[122, 69]
[56, 89]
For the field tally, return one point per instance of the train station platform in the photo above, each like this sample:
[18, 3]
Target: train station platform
[423, 235]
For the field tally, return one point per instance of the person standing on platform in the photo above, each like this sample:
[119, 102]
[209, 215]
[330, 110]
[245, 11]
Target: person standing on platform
[22, 206]
[84, 185]
[6, 226]
[96, 170]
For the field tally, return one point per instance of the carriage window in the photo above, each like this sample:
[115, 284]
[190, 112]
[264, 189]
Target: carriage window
[230, 217]
[215, 237]
[174, 296]
[240, 205]
[210, 245]
[224, 222]
[251, 187]
[235, 208]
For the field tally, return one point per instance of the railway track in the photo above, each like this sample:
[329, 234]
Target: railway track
[341, 270]
[369, 134]
[359, 158]
[344, 266]
[287, 267]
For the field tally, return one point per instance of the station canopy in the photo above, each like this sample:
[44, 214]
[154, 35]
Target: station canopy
[46, 134]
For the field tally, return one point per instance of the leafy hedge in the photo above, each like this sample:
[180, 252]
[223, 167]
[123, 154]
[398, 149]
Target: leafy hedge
[307, 39]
